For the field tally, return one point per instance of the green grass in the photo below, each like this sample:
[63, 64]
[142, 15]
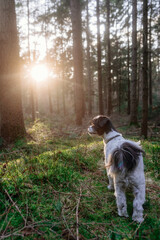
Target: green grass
[49, 182]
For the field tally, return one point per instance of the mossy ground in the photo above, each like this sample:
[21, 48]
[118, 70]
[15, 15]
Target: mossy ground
[55, 187]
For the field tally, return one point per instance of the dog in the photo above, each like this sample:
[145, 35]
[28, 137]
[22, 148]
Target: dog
[124, 165]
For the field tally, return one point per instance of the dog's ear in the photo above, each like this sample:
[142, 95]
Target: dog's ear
[103, 121]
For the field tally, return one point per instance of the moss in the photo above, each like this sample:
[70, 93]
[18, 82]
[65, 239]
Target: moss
[47, 179]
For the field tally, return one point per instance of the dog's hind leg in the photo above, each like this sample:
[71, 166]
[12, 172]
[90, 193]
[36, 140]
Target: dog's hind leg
[139, 199]
[110, 179]
[120, 198]
[110, 186]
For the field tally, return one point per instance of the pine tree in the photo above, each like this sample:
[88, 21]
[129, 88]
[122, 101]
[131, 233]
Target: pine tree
[133, 116]
[99, 58]
[89, 65]
[109, 86]
[12, 124]
[145, 71]
[77, 59]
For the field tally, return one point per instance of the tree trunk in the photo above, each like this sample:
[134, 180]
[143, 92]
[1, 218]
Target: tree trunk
[144, 126]
[109, 86]
[89, 67]
[77, 59]
[150, 57]
[133, 116]
[29, 60]
[63, 72]
[47, 59]
[100, 94]
[128, 64]
[12, 123]
[120, 85]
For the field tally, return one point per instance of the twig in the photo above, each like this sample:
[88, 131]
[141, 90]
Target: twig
[139, 226]
[20, 232]
[6, 212]
[7, 225]
[15, 205]
[67, 225]
[77, 216]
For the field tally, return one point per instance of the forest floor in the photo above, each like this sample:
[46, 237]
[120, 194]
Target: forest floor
[54, 185]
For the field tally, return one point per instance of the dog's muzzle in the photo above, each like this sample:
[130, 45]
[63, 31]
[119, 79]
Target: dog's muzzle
[91, 130]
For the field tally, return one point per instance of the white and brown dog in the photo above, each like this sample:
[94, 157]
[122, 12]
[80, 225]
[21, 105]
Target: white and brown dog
[124, 164]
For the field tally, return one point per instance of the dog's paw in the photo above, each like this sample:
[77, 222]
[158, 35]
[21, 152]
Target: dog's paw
[110, 187]
[123, 214]
[137, 216]
[138, 219]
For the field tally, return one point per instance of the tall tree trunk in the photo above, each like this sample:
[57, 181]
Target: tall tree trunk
[12, 123]
[47, 60]
[117, 66]
[77, 59]
[128, 64]
[89, 67]
[100, 94]
[139, 71]
[63, 72]
[133, 116]
[120, 84]
[29, 60]
[144, 126]
[109, 86]
[150, 56]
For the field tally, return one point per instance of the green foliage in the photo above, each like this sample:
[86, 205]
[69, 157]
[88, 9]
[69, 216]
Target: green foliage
[152, 162]
[44, 183]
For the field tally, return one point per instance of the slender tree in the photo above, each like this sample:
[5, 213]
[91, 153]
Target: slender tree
[63, 73]
[77, 59]
[12, 123]
[144, 126]
[46, 22]
[128, 62]
[89, 66]
[99, 57]
[109, 86]
[133, 116]
[32, 85]
[150, 55]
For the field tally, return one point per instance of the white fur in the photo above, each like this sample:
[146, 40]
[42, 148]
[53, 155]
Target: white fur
[121, 180]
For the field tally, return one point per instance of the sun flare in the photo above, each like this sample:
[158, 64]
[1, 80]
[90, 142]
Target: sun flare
[40, 72]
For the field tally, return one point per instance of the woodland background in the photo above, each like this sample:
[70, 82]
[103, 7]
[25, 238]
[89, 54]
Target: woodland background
[61, 63]
[102, 58]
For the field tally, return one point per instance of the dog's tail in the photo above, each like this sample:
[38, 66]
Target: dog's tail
[125, 158]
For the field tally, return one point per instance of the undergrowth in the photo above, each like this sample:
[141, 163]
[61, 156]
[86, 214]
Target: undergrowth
[55, 187]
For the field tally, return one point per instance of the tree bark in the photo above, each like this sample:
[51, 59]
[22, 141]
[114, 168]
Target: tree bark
[100, 93]
[144, 126]
[29, 60]
[150, 56]
[109, 86]
[133, 115]
[77, 59]
[12, 123]
[47, 59]
[89, 67]
[128, 64]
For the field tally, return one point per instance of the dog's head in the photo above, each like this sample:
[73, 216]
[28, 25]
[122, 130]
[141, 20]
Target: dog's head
[100, 125]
